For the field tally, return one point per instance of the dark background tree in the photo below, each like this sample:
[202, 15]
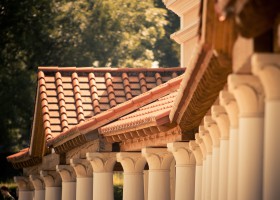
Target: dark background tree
[100, 33]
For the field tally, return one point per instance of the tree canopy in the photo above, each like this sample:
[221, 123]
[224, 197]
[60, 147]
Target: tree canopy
[100, 33]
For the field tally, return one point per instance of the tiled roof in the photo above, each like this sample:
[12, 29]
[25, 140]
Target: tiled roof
[75, 133]
[148, 115]
[70, 96]
[24, 153]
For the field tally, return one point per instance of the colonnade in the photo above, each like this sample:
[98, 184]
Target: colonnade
[233, 156]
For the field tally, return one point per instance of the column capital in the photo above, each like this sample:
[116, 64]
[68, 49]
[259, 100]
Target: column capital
[228, 101]
[211, 126]
[51, 178]
[267, 68]
[37, 182]
[66, 172]
[219, 115]
[205, 136]
[132, 162]
[102, 162]
[194, 147]
[248, 92]
[181, 152]
[200, 143]
[23, 183]
[81, 167]
[157, 158]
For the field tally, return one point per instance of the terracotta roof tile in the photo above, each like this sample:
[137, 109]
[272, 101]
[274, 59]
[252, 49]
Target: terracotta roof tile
[144, 116]
[24, 153]
[116, 112]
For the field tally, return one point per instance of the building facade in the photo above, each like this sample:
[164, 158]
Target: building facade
[208, 130]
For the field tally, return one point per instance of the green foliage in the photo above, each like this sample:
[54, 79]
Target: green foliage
[123, 33]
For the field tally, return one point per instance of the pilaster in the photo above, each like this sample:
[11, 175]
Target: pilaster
[204, 134]
[84, 180]
[249, 95]
[194, 147]
[38, 184]
[185, 170]
[25, 188]
[103, 165]
[220, 116]
[68, 177]
[228, 101]
[133, 165]
[267, 68]
[52, 182]
[159, 160]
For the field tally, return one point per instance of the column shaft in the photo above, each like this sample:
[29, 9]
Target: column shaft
[103, 186]
[185, 178]
[215, 173]
[271, 148]
[208, 176]
[53, 193]
[223, 169]
[159, 186]
[133, 186]
[250, 158]
[68, 190]
[232, 164]
[39, 194]
[198, 182]
[25, 195]
[84, 187]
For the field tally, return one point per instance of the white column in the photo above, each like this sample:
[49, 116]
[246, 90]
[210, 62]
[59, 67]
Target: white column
[146, 184]
[248, 93]
[267, 68]
[185, 170]
[102, 165]
[25, 188]
[84, 181]
[39, 186]
[52, 182]
[68, 177]
[204, 134]
[133, 184]
[228, 101]
[159, 160]
[212, 127]
[202, 147]
[220, 116]
[194, 147]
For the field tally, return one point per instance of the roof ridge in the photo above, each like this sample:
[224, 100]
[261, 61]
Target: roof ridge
[106, 69]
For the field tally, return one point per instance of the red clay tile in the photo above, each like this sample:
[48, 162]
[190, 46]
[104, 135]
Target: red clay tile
[67, 89]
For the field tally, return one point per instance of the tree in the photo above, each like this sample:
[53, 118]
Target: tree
[123, 33]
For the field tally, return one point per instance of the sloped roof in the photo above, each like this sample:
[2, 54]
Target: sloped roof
[77, 134]
[76, 100]
[148, 115]
[71, 95]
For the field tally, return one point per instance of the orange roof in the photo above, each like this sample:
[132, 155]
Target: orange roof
[24, 153]
[118, 111]
[69, 95]
[148, 115]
